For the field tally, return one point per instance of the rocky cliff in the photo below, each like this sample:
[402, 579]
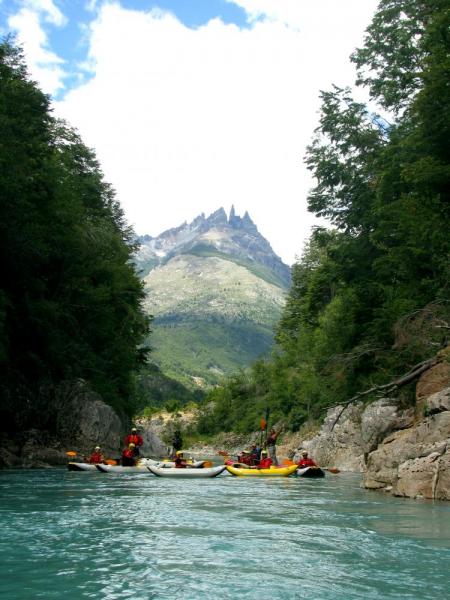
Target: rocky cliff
[81, 421]
[404, 451]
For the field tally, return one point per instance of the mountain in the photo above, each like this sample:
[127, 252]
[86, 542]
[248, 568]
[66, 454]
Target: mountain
[216, 288]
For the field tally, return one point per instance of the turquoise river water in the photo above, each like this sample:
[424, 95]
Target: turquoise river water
[71, 536]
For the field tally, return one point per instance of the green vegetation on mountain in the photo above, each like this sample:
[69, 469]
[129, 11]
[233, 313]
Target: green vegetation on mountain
[70, 300]
[211, 316]
[370, 296]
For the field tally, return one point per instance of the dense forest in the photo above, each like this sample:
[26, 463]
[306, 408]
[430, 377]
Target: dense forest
[370, 294]
[70, 300]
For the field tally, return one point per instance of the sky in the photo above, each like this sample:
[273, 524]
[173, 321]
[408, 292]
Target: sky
[191, 105]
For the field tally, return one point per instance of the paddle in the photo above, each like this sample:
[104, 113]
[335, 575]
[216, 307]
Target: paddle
[289, 463]
[71, 453]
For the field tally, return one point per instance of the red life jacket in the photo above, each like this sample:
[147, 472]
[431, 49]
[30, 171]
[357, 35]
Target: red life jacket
[180, 463]
[96, 458]
[307, 462]
[128, 459]
[265, 463]
[134, 438]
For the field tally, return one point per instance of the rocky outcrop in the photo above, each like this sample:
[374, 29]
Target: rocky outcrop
[415, 462]
[432, 381]
[81, 420]
[350, 433]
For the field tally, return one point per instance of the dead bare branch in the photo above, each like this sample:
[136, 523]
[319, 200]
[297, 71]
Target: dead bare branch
[389, 388]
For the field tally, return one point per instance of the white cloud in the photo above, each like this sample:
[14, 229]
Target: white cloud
[185, 121]
[44, 65]
[48, 10]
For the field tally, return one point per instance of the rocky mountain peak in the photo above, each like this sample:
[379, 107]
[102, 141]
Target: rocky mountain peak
[233, 236]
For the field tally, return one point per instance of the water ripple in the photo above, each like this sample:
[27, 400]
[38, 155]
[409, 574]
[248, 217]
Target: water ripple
[84, 535]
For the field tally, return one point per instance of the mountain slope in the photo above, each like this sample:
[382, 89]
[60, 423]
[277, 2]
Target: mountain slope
[216, 289]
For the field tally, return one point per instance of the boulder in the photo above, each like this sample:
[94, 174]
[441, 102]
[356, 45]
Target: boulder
[381, 418]
[153, 445]
[429, 437]
[339, 444]
[432, 381]
[438, 402]
[415, 477]
[83, 420]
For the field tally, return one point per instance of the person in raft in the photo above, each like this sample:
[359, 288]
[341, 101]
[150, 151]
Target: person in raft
[305, 461]
[271, 444]
[266, 462]
[128, 456]
[245, 458]
[177, 441]
[96, 457]
[134, 438]
[180, 461]
[255, 452]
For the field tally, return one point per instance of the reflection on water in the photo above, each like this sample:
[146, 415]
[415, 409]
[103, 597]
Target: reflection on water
[88, 535]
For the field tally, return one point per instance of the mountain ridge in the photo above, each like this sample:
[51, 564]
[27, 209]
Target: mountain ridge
[234, 236]
[216, 289]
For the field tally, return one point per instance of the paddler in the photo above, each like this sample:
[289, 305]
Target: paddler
[134, 438]
[271, 444]
[265, 462]
[179, 460]
[128, 456]
[305, 461]
[96, 457]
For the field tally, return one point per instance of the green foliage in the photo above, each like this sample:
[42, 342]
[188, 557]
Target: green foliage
[183, 348]
[369, 298]
[70, 300]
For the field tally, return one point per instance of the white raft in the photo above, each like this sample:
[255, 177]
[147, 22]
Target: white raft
[188, 473]
[74, 466]
[119, 469]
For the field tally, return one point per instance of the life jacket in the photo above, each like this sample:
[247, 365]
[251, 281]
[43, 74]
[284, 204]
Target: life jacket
[180, 463]
[128, 459]
[265, 463]
[134, 438]
[96, 458]
[307, 462]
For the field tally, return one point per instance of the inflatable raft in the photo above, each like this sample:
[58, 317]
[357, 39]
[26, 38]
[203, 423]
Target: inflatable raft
[271, 472]
[310, 472]
[188, 473]
[119, 469]
[73, 466]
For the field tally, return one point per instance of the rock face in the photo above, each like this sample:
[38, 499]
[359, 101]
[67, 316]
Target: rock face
[434, 380]
[81, 421]
[397, 450]
[346, 443]
[415, 462]
[84, 420]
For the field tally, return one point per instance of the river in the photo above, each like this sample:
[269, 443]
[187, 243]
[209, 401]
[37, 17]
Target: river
[68, 535]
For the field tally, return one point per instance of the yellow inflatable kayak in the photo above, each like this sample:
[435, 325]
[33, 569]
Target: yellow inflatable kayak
[271, 472]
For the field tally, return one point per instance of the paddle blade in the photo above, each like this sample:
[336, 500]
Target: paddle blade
[287, 463]
[333, 470]
[111, 461]
[263, 424]
[71, 453]
[207, 464]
